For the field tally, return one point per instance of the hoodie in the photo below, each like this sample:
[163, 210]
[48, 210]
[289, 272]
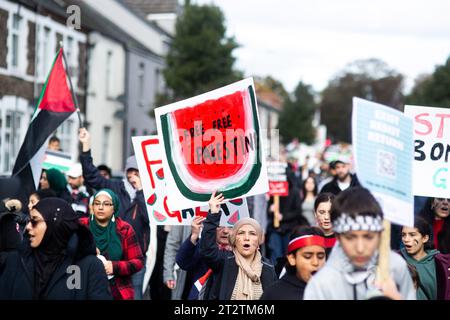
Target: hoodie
[426, 268]
[337, 280]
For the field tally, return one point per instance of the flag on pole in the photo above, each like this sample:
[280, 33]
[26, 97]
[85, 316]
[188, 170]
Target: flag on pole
[55, 105]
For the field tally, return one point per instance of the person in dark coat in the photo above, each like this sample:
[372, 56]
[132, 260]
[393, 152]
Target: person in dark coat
[58, 261]
[189, 259]
[132, 203]
[343, 179]
[240, 274]
[290, 216]
[306, 255]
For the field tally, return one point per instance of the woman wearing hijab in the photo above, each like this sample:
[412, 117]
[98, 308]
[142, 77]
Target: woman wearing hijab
[57, 262]
[116, 243]
[240, 274]
[55, 180]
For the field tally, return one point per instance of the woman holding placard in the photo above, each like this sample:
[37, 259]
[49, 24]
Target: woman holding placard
[240, 274]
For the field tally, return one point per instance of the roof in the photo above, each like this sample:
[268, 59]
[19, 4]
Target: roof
[268, 97]
[145, 7]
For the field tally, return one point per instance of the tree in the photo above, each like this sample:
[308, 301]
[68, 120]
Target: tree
[296, 118]
[370, 79]
[432, 90]
[200, 58]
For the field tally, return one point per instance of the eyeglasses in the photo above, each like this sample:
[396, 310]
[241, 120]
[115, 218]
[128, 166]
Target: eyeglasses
[105, 204]
[34, 222]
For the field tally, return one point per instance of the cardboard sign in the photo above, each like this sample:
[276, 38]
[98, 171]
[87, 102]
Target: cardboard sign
[148, 156]
[212, 142]
[383, 153]
[58, 160]
[276, 173]
[431, 164]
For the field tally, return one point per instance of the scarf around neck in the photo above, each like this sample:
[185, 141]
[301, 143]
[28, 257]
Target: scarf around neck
[249, 276]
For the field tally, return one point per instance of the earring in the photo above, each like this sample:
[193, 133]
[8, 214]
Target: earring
[113, 219]
[92, 217]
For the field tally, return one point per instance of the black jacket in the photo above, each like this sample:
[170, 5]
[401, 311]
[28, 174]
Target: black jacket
[223, 264]
[134, 212]
[17, 275]
[333, 186]
[289, 287]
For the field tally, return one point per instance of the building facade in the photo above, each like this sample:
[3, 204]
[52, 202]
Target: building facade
[30, 35]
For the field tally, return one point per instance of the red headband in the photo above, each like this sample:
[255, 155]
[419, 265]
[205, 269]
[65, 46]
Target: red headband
[305, 241]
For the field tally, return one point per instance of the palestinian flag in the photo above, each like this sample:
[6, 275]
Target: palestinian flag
[55, 105]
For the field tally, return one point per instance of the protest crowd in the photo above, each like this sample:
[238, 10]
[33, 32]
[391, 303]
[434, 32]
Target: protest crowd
[325, 230]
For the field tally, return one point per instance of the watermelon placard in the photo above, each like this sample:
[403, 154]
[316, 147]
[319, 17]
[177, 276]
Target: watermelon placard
[212, 142]
[148, 156]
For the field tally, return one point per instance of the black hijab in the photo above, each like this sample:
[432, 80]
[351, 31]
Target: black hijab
[62, 223]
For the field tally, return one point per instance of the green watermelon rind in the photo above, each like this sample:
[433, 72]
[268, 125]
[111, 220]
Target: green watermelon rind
[233, 192]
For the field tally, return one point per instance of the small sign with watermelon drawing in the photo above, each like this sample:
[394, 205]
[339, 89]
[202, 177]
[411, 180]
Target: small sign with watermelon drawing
[212, 142]
[148, 156]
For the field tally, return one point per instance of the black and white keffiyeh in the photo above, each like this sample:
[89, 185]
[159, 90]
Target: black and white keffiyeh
[346, 223]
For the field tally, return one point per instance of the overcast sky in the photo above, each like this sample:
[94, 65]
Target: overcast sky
[311, 40]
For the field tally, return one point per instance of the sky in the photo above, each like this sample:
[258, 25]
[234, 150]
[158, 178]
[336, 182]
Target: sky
[312, 40]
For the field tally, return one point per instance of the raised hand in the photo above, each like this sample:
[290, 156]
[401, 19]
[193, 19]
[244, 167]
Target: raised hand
[215, 202]
[85, 139]
[196, 226]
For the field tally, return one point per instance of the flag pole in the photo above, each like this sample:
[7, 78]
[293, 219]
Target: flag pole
[74, 96]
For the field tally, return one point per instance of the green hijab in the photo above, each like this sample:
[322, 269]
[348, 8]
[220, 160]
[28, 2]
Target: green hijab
[56, 179]
[106, 238]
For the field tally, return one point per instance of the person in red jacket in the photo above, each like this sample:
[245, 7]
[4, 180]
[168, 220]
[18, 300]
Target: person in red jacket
[116, 244]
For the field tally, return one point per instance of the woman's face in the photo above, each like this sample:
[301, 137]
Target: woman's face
[310, 185]
[323, 216]
[413, 240]
[33, 200]
[43, 181]
[359, 246]
[36, 228]
[247, 240]
[307, 260]
[441, 207]
[103, 208]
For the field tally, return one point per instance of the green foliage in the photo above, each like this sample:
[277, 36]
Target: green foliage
[432, 90]
[369, 79]
[200, 58]
[296, 118]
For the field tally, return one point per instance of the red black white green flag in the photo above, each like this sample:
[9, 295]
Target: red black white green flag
[55, 105]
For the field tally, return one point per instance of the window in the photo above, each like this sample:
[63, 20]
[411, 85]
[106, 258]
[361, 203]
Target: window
[157, 80]
[15, 32]
[141, 79]
[10, 138]
[65, 135]
[105, 142]
[109, 75]
[46, 56]
[70, 55]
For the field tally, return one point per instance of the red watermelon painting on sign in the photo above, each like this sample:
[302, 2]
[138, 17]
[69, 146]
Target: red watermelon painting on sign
[212, 142]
